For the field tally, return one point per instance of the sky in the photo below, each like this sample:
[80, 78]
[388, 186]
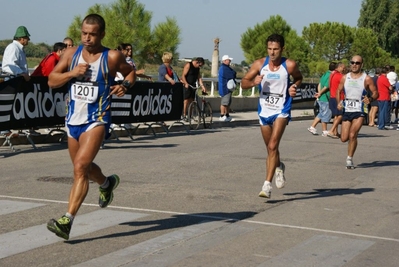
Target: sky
[200, 21]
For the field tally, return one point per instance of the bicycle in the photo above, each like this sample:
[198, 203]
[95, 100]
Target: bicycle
[197, 114]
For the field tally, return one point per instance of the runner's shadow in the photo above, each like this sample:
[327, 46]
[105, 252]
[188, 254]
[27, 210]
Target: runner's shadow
[176, 221]
[378, 164]
[320, 193]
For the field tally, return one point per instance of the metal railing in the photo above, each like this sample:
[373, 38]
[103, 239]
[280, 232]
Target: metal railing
[214, 81]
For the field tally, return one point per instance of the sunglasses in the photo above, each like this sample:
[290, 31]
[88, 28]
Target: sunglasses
[355, 63]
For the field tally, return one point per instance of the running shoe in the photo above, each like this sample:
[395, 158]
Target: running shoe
[388, 127]
[266, 190]
[312, 130]
[280, 178]
[107, 194]
[349, 164]
[324, 134]
[61, 227]
[223, 118]
[228, 119]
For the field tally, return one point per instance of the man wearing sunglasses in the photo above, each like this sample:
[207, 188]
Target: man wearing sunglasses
[354, 105]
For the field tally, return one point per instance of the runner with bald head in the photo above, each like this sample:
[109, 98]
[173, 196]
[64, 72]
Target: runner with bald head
[354, 86]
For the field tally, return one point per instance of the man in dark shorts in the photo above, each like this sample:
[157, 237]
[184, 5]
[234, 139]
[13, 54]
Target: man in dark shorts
[354, 105]
[191, 74]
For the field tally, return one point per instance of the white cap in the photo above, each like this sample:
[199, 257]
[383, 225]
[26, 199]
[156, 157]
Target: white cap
[226, 57]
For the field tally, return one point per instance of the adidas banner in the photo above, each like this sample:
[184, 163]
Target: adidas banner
[32, 104]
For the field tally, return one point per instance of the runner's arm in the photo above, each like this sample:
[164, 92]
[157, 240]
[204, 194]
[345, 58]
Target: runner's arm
[369, 84]
[60, 74]
[339, 89]
[252, 77]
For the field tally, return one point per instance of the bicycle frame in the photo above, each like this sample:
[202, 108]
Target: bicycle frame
[204, 111]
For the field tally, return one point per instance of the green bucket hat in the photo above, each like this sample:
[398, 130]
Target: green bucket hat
[22, 31]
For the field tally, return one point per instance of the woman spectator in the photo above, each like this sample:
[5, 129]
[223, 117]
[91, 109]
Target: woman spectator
[126, 50]
[165, 71]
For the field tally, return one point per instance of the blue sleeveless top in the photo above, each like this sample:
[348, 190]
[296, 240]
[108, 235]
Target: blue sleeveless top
[89, 95]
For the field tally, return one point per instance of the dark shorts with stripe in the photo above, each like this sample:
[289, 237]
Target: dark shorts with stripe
[350, 116]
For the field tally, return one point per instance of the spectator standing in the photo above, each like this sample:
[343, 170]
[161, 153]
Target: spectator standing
[374, 104]
[226, 86]
[323, 98]
[165, 70]
[272, 75]
[14, 62]
[393, 80]
[127, 51]
[14, 58]
[392, 76]
[335, 79]
[190, 76]
[93, 66]
[384, 100]
[395, 104]
[355, 85]
[68, 41]
[48, 63]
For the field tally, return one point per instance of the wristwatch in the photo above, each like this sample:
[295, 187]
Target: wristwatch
[127, 84]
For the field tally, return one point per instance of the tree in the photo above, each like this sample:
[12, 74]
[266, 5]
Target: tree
[365, 43]
[330, 41]
[127, 21]
[164, 39]
[253, 41]
[381, 16]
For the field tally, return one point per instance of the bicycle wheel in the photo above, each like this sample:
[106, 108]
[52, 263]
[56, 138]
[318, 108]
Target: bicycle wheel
[193, 115]
[207, 115]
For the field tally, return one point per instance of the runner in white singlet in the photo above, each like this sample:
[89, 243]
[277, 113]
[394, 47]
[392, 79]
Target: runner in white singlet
[355, 85]
[272, 75]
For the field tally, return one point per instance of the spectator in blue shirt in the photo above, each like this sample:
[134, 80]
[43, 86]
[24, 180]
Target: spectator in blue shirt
[226, 86]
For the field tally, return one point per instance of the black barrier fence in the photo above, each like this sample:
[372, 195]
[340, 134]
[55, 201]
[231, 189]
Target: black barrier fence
[33, 104]
[305, 93]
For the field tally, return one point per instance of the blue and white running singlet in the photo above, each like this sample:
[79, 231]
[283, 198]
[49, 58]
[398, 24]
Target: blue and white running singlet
[354, 92]
[273, 91]
[89, 99]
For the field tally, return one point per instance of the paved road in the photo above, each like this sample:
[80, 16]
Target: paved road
[191, 200]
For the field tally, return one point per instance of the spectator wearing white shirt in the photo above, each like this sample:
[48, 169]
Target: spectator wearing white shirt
[14, 58]
[392, 76]
[15, 64]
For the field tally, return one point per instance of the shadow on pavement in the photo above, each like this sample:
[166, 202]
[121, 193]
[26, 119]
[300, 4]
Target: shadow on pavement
[176, 221]
[320, 193]
[377, 163]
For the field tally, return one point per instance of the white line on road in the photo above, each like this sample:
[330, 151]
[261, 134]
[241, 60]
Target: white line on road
[218, 218]
[37, 236]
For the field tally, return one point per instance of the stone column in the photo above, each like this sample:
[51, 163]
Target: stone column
[215, 58]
